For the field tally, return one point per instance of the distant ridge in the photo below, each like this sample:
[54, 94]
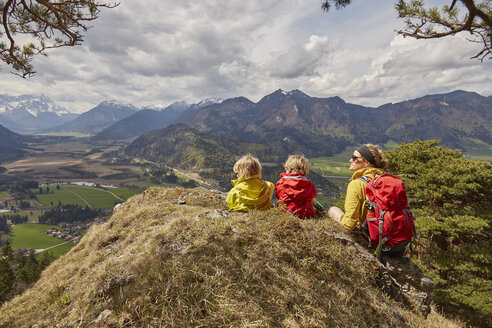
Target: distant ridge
[289, 120]
[150, 118]
[98, 118]
[136, 124]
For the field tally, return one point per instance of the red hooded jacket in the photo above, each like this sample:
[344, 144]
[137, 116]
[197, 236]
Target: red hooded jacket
[295, 192]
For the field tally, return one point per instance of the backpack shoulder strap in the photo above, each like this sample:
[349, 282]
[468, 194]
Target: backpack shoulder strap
[363, 228]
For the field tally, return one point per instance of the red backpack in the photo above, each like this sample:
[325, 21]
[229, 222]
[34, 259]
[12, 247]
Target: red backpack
[389, 218]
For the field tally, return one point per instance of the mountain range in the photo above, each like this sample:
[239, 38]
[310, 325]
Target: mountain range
[314, 126]
[30, 113]
[291, 121]
[298, 123]
[149, 118]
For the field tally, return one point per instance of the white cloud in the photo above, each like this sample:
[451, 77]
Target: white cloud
[301, 60]
[161, 51]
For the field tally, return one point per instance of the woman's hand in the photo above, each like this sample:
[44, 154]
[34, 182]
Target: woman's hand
[335, 213]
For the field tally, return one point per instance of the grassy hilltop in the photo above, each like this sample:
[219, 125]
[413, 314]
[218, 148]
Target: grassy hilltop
[158, 263]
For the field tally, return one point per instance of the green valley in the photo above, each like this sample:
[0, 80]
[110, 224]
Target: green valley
[94, 197]
[33, 236]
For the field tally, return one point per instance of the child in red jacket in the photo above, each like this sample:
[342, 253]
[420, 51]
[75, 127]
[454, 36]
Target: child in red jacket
[294, 191]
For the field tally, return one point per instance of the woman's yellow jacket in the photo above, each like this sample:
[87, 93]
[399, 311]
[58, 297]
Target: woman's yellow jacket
[355, 200]
[250, 193]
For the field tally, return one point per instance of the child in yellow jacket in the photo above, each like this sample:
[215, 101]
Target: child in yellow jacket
[249, 191]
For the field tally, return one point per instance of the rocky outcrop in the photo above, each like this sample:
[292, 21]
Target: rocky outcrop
[400, 278]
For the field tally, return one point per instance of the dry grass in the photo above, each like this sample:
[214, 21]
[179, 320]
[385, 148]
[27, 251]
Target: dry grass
[160, 264]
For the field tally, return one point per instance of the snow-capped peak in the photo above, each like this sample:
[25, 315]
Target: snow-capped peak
[156, 107]
[209, 101]
[177, 106]
[296, 92]
[32, 104]
[115, 102]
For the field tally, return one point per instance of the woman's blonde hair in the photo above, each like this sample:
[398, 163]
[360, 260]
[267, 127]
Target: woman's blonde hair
[296, 164]
[247, 166]
[381, 162]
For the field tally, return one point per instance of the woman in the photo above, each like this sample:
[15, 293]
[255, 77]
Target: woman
[366, 161]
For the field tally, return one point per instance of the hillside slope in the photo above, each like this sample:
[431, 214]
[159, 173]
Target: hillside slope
[211, 156]
[142, 121]
[156, 263]
[451, 117]
[11, 144]
[182, 146]
[290, 121]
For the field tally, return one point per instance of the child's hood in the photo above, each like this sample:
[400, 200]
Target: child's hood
[295, 186]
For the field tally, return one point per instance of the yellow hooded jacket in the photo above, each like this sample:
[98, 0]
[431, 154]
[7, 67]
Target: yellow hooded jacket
[250, 193]
[355, 200]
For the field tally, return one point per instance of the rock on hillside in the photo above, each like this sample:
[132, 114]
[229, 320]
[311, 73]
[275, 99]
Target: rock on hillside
[161, 263]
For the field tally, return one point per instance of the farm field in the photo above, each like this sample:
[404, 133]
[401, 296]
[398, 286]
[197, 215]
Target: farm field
[336, 165]
[84, 196]
[478, 150]
[31, 235]
[64, 159]
[124, 193]
[4, 194]
[32, 215]
[59, 250]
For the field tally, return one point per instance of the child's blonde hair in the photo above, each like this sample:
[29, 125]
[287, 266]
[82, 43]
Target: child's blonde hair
[296, 164]
[247, 166]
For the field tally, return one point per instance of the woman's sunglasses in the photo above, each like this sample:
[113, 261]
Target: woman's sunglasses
[354, 158]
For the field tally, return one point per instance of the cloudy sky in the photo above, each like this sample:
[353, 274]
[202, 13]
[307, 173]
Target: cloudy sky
[156, 52]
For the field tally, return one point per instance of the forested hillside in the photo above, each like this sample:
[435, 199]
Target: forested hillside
[212, 157]
[182, 146]
[452, 200]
